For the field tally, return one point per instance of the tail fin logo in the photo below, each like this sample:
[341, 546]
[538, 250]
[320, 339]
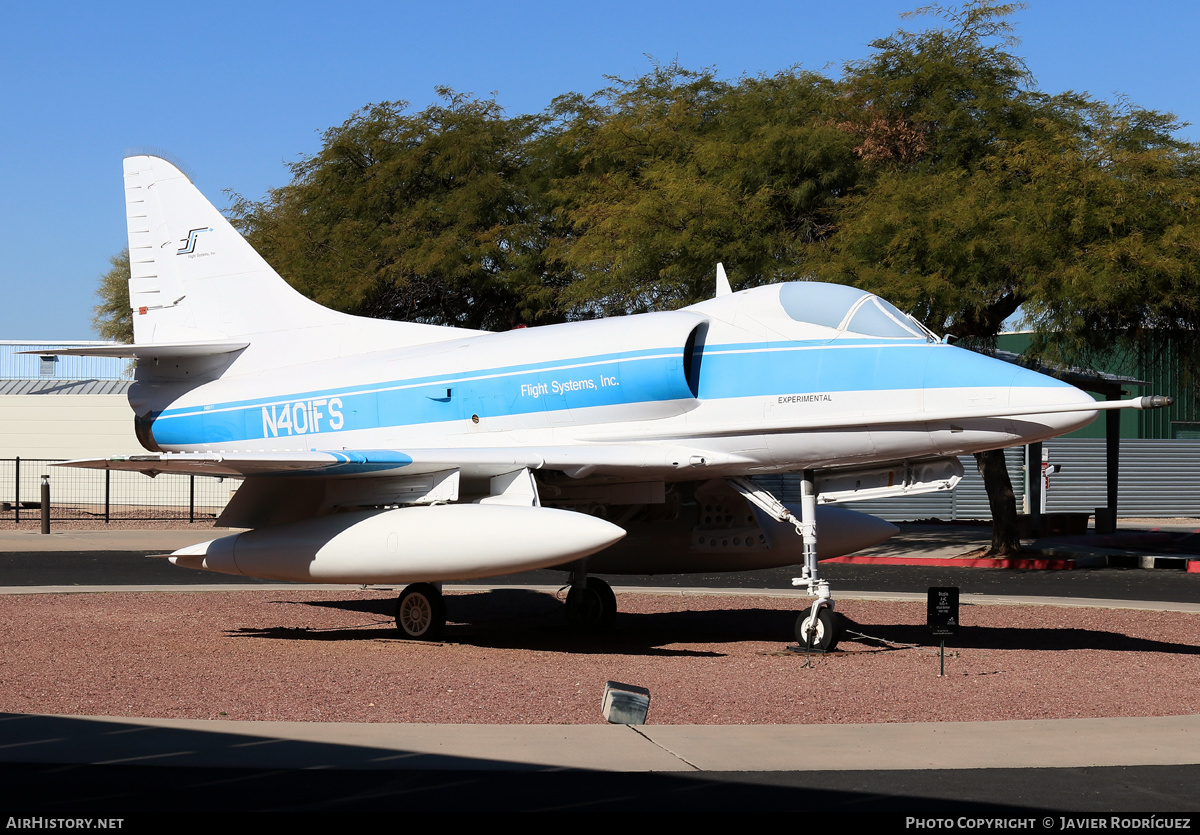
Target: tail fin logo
[189, 243]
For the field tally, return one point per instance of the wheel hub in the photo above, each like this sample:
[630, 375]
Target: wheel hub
[416, 614]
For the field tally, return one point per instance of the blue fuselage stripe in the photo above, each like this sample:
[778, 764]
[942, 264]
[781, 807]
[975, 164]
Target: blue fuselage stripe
[638, 377]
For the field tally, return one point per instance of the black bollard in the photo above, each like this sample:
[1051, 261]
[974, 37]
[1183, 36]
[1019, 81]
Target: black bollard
[45, 504]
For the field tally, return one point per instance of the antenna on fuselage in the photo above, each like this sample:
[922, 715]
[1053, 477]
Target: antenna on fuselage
[723, 288]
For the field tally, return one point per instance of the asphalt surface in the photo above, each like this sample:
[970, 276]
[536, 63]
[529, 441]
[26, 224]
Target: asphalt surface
[95, 766]
[146, 798]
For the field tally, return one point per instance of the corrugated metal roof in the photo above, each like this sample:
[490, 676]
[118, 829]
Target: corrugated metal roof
[35, 387]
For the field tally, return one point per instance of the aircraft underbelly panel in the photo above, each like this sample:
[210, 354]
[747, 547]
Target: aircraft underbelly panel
[687, 545]
[821, 448]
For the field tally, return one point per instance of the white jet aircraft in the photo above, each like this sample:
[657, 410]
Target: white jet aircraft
[402, 453]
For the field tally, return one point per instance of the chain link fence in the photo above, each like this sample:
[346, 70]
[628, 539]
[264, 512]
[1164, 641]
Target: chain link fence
[108, 495]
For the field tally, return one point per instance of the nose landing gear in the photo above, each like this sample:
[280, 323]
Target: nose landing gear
[818, 627]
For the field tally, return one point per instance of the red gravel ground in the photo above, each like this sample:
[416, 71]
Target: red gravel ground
[509, 658]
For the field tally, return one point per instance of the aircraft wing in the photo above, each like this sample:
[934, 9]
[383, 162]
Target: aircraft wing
[577, 461]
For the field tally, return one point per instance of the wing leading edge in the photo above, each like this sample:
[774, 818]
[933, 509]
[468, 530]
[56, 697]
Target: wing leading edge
[578, 461]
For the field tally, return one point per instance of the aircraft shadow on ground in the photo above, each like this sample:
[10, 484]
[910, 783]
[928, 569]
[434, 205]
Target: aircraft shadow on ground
[1019, 638]
[517, 618]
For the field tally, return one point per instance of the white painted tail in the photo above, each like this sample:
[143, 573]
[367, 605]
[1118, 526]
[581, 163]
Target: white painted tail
[194, 278]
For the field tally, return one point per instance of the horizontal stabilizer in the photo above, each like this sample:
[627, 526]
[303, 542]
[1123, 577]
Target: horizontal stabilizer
[165, 350]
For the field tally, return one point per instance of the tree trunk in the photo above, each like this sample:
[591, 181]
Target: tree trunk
[1005, 541]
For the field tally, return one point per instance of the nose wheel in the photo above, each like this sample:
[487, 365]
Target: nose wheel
[818, 631]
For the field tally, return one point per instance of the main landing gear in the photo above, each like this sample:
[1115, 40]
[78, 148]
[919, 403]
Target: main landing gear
[818, 628]
[591, 604]
[421, 609]
[421, 612]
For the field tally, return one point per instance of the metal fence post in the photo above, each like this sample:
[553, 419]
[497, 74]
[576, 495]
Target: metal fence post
[191, 498]
[17, 490]
[45, 504]
[107, 481]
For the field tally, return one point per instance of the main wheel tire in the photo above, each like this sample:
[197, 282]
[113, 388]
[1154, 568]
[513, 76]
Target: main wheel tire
[421, 612]
[828, 630]
[608, 600]
[593, 607]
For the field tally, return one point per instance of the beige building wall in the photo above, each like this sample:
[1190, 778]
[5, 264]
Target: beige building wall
[57, 426]
[66, 426]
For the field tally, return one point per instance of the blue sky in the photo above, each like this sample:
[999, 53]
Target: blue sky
[237, 90]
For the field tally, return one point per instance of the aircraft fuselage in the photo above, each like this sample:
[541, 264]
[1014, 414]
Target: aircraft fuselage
[739, 377]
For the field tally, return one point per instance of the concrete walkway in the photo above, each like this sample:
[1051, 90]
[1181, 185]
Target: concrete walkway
[1067, 743]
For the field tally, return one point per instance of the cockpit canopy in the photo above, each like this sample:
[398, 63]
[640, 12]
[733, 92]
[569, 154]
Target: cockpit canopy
[848, 310]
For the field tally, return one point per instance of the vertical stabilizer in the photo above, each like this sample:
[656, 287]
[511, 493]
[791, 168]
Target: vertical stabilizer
[192, 276]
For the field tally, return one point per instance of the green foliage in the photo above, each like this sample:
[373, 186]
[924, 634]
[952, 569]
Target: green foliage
[112, 317]
[932, 229]
[662, 176]
[423, 217]
[638, 201]
[1120, 216]
[617, 202]
[982, 196]
[958, 86]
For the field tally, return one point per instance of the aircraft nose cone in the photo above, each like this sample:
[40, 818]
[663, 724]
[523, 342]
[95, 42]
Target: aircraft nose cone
[1030, 389]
